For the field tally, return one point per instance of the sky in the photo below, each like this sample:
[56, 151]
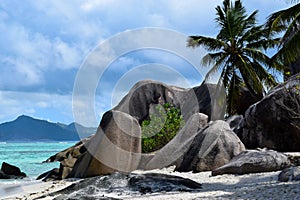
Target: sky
[45, 46]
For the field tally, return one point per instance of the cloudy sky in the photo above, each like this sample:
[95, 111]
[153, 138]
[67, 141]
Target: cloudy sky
[44, 44]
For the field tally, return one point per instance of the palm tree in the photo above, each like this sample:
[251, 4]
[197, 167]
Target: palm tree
[289, 48]
[237, 52]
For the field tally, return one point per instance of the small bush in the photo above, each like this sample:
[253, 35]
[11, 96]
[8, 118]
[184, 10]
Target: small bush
[165, 121]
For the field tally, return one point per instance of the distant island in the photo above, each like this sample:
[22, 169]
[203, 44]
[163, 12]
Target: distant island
[26, 128]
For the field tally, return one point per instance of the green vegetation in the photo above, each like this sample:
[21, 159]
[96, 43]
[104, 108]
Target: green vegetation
[237, 51]
[288, 22]
[164, 123]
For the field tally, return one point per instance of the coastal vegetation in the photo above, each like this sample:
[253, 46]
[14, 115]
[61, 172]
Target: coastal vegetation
[287, 22]
[162, 127]
[239, 50]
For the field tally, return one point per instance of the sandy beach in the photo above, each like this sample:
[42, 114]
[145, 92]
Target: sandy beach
[31, 190]
[250, 186]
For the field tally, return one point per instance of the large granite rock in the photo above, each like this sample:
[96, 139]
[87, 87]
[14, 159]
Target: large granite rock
[199, 99]
[81, 159]
[254, 161]
[115, 147]
[212, 147]
[172, 153]
[9, 171]
[274, 122]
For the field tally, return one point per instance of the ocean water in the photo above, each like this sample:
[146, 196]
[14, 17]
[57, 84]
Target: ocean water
[29, 156]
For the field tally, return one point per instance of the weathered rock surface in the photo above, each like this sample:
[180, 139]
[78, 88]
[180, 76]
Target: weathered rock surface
[115, 147]
[9, 171]
[254, 161]
[172, 153]
[212, 147]
[67, 159]
[133, 184]
[72, 152]
[290, 174]
[154, 182]
[274, 122]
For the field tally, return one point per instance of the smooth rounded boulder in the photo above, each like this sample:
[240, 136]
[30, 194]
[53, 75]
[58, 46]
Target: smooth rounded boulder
[9, 171]
[254, 161]
[115, 147]
[212, 147]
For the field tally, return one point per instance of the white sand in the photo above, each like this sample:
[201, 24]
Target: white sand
[31, 190]
[251, 186]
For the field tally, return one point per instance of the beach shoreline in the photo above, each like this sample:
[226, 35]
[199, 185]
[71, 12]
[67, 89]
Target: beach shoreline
[248, 186]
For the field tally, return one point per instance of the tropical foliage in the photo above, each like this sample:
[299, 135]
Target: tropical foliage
[162, 127]
[287, 20]
[237, 52]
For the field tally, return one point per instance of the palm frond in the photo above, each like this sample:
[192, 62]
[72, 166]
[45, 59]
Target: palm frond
[293, 27]
[264, 43]
[249, 76]
[267, 78]
[233, 93]
[290, 52]
[210, 44]
[218, 59]
[282, 17]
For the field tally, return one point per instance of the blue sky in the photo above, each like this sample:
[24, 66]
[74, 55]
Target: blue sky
[44, 43]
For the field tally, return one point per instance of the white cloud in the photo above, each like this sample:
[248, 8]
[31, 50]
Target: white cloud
[38, 105]
[90, 5]
[54, 35]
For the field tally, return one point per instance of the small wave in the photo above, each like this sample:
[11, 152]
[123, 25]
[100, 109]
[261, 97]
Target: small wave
[3, 142]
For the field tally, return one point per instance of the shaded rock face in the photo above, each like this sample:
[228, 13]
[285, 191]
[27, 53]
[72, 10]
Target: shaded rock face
[9, 171]
[115, 147]
[254, 161]
[246, 100]
[274, 122]
[290, 174]
[130, 185]
[234, 121]
[212, 147]
[172, 153]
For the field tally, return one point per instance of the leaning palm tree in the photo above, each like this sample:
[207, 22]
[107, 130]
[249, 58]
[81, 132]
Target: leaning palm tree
[237, 52]
[289, 48]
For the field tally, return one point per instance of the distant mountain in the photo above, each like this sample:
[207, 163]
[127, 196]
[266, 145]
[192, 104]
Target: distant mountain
[26, 128]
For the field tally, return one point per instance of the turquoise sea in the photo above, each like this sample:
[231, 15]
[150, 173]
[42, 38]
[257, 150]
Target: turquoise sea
[29, 156]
